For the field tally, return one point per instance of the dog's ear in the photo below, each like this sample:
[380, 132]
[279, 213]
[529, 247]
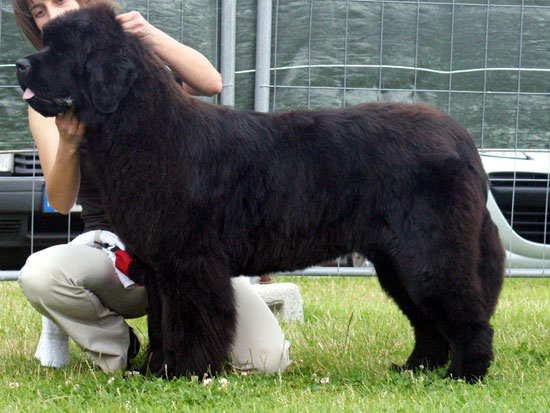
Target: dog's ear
[110, 81]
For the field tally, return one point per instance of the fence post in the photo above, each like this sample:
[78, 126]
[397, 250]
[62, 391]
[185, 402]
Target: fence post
[227, 55]
[263, 55]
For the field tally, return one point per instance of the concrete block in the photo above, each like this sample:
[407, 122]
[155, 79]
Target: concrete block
[282, 298]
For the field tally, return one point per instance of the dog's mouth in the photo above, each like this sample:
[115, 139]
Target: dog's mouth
[47, 106]
[61, 101]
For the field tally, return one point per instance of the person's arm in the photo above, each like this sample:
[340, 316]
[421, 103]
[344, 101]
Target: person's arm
[57, 141]
[197, 73]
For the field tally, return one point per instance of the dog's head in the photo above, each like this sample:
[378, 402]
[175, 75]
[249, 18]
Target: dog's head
[83, 64]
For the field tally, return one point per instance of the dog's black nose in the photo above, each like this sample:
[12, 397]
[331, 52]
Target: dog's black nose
[23, 65]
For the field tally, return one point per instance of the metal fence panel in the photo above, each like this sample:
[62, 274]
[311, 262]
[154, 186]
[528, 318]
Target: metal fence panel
[483, 61]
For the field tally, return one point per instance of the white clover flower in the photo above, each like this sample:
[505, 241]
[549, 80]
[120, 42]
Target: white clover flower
[111, 380]
[207, 382]
[224, 383]
[14, 385]
[244, 373]
[325, 380]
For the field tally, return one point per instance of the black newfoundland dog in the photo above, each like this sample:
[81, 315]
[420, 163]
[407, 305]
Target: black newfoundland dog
[200, 193]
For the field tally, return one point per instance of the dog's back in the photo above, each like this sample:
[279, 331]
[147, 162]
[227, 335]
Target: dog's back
[312, 174]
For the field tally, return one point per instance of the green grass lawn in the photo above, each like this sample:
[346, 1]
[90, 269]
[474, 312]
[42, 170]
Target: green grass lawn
[351, 334]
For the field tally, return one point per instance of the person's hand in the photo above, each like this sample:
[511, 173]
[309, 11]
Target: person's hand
[133, 22]
[70, 129]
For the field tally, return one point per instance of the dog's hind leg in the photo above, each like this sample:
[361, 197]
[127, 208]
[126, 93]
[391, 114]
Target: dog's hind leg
[436, 243]
[447, 311]
[471, 335]
[444, 282]
[198, 317]
[431, 349]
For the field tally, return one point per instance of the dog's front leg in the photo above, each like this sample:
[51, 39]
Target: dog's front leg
[145, 275]
[154, 362]
[198, 319]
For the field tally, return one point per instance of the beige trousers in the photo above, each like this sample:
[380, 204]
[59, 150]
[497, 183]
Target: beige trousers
[76, 287]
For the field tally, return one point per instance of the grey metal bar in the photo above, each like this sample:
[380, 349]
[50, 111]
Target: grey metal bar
[451, 59]
[415, 85]
[1, 19]
[346, 55]
[485, 61]
[546, 203]
[349, 272]
[516, 135]
[263, 55]
[217, 38]
[228, 39]
[9, 275]
[369, 272]
[274, 93]
[333, 271]
[309, 55]
[181, 20]
[381, 57]
[33, 195]
[373, 89]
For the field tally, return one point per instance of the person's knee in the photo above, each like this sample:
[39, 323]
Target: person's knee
[273, 358]
[37, 277]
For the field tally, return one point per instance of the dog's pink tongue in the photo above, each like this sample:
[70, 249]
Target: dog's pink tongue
[28, 94]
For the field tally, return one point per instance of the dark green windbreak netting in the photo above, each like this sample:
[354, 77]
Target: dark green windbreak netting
[463, 56]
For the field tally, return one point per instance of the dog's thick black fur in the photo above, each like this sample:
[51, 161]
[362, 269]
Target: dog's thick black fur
[200, 193]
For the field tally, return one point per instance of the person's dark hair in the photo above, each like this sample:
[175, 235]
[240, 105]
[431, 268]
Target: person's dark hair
[25, 22]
